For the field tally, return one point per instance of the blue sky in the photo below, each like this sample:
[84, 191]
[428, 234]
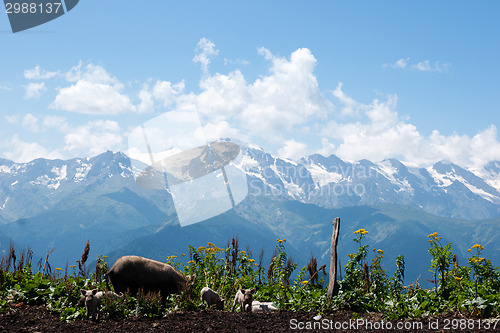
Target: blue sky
[416, 81]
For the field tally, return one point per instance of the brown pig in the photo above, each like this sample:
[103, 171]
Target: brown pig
[134, 273]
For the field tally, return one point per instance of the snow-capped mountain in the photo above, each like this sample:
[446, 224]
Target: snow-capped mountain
[444, 189]
[47, 204]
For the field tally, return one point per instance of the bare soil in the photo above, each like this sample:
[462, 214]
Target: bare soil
[39, 319]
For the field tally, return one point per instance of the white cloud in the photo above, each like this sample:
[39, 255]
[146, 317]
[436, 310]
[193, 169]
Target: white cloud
[34, 89]
[351, 107]
[167, 92]
[39, 74]
[5, 88]
[94, 92]
[270, 107]
[283, 110]
[12, 119]
[163, 91]
[205, 51]
[30, 122]
[294, 150]
[385, 135]
[401, 63]
[241, 62]
[327, 148]
[21, 151]
[55, 122]
[421, 66]
[222, 129]
[147, 103]
[94, 138]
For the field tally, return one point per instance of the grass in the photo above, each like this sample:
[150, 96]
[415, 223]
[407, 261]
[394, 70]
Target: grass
[472, 290]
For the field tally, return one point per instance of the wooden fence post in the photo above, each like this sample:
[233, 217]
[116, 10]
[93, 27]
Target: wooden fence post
[333, 287]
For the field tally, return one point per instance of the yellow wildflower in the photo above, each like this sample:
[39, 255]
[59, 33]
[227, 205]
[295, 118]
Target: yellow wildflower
[201, 248]
[182, 254]
[433, 235]
[171, 257]
[190, 262]
[458, 278]
[361, 231]
[58, 269]
[469, 250]
[478, 246]
[72, 266]
[476, 259]
[305, 282]
[242, 252]
[380, 251]
[251, 260]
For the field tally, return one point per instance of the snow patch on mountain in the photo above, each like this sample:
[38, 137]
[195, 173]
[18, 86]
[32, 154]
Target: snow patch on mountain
[292, 189]
[388, 170]
[52, 182]
[82, 171]
[4, 203]
[5, 169]
[440, 179]
[490, 173]
[321, 176]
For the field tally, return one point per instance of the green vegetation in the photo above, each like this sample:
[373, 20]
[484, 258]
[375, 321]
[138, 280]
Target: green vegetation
[473, 289]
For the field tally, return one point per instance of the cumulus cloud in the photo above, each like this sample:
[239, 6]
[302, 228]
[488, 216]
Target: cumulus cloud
[421, 66]
[385, 135]
[34, 89]
[58, 123]
[283, 110]
[94, 138]
[350, 106]
[166, 92]
[237, 62]
[39, 74]
[294, 150]
[272, 106]
[163, 91]
[205, 51]
[30, 122]
[94, 91]
[12, 119]
[21, 151]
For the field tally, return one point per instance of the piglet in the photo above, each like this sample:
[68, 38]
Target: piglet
[92, 300]
[244, 298]
[212, 298]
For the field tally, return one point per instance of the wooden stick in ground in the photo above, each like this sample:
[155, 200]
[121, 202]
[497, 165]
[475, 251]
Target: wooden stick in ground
[332, 285]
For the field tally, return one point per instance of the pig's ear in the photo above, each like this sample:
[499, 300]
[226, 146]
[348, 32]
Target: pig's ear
[253, 290]
[94, 291]
[84, 292]
[242, 291]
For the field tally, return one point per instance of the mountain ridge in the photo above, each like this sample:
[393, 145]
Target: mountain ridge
[46, 204]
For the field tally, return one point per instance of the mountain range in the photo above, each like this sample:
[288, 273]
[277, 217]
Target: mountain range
[60, 204]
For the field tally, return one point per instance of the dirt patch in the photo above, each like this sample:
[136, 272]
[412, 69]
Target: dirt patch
[39, 319]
